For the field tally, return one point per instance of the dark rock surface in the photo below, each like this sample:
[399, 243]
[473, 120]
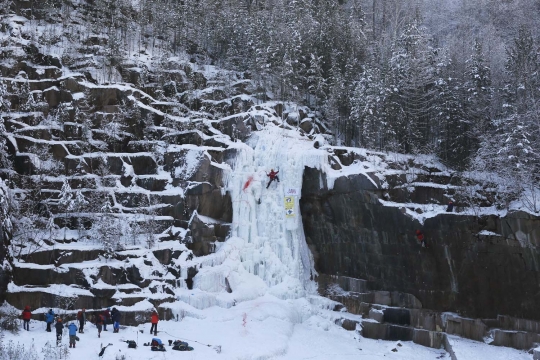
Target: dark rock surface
[5, 273]
[352, 234]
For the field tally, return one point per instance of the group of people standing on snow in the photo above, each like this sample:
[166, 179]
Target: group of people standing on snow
[100, 319]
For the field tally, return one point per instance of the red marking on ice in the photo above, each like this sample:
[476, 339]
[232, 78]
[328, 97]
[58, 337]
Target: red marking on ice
[248, 182]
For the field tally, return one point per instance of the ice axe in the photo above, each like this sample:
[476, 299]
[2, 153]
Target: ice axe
[103, 350]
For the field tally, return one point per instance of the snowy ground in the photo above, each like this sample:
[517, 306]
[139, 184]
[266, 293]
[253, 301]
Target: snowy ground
[266, 328]
[469, 349]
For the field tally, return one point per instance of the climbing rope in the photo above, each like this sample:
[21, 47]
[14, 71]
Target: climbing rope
[216, 347]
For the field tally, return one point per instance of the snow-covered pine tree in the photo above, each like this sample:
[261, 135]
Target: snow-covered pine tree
[366, 104]
[316, 83]
[479, 94]
[522, 88]
[451, 128]
[411, 82]
[512, 149]
[65, 205]
[108, 229]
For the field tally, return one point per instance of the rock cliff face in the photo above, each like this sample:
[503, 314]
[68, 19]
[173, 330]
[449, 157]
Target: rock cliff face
[478, 266]
[118, 169]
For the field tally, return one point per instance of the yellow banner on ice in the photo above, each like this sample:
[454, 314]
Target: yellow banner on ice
[289, 206]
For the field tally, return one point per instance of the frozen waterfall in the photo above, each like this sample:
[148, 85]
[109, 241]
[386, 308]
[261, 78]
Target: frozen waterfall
[267, 251]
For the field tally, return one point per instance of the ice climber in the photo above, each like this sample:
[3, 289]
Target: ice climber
[450, 207]
[49, 319]
[115, 316]
[81, 317]
[72, 334]
[273, 176]
[59, 328]
[26, 316]
[154, 319]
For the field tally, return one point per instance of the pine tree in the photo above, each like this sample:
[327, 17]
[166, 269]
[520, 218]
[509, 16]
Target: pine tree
[410, 81]
[451, 128]
[479, 93]
[522, 66]
[316, 83]
[65, 203]
[366, 109]
[512, 149]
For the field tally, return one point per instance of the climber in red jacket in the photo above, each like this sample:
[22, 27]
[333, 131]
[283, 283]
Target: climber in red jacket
[273, 176]
[420, 237]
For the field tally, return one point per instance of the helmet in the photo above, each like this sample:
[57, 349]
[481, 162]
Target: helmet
[59, 320]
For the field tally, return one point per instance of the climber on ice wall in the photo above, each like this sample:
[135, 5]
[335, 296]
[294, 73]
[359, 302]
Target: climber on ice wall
[273, 176]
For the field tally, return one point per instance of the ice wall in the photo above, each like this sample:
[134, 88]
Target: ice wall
[267, 251]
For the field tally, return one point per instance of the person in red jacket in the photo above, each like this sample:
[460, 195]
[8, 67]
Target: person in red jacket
[273, 176]
[154, 319]
[420, 237]
[26, 316]
[100, 319]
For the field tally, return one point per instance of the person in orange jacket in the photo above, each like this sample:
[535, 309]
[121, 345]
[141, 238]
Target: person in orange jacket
[154, 319]
[26, 316]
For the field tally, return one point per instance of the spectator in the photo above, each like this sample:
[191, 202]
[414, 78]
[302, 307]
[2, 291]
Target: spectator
[154, 319]
[115, 315]
[81, 317]
[26, 316]
[72, 334]
[59, 328]
[106, 318]
[100, 319]
[49, 319]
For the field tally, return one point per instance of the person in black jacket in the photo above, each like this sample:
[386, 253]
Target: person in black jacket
[115, 316]
[59, 329]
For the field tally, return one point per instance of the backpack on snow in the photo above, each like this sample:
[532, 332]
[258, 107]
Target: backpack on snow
[181, 346]
[131, 344]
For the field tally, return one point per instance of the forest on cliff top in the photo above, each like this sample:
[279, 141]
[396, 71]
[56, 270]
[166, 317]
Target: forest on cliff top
[458, 79]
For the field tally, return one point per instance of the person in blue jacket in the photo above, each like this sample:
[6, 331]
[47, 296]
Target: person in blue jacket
[72, 334]
[157, 345]
[49, 319]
